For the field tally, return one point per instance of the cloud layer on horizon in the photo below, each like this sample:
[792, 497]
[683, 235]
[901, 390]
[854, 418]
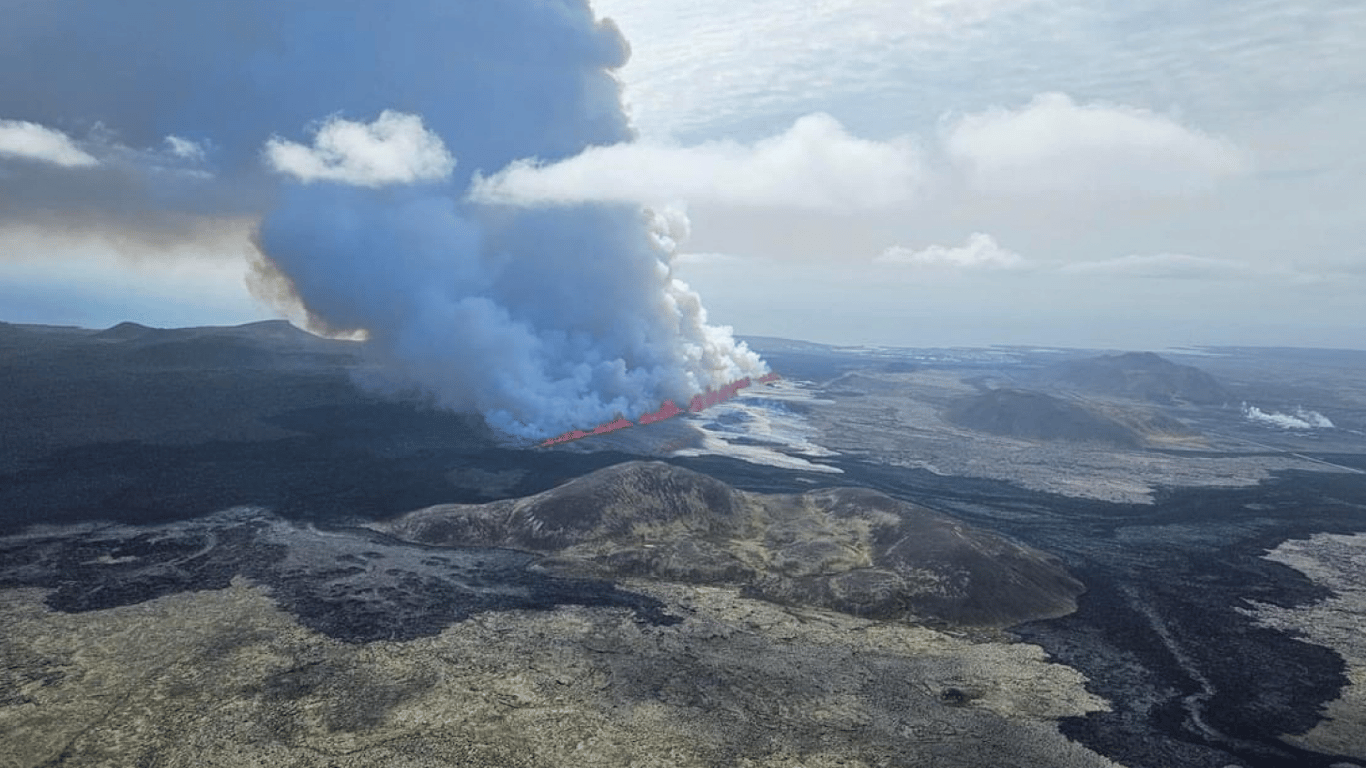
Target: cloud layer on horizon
[814, 164]
[980, 251]
[1050, 146]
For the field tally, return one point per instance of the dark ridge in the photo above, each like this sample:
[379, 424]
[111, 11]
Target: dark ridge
[267, 332]
[279, 329]
[126, 331]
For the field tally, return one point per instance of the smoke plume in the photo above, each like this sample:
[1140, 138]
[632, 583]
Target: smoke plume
[353, 131]
[1299, 418]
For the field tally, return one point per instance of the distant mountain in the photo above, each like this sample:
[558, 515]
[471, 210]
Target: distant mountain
[775, 344]
[1141, 376]
[1037, 416]
[277, 332]
[858, 383]
[849, 549]
[263, 344]
[805, 360]
[126, 331]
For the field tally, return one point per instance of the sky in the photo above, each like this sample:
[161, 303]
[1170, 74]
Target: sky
[1101, 174]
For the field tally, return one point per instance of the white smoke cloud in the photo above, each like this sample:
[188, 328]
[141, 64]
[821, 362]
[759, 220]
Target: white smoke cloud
[541, 319]
[814, 164]
[576, 320]
[1300, 418]
[1055, 145]
[31, 141]
[394, 149]
[981, 251]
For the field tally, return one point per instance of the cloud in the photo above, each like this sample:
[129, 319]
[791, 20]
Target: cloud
[1300, 419]
[142, 201]
[186, 149]
[815, 164]
[1054, 145]
[708, 259]
[981, 251]
[394, 149]
[31, 141]
[1178, 266]
[710, 67]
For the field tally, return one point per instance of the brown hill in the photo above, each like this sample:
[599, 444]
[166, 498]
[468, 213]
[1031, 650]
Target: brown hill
[849, 549]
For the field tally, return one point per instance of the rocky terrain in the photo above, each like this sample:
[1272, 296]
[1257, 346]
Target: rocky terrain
[848, 549]
[911, 420]
[352, 584]
[214, 551]
[1337, 622]
[225, 677]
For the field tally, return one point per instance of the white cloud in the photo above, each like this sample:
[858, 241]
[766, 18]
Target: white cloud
[1163, 265]
[31, 141]
[814, 164]
[1055, 145]
[981, 251]
[708, 259]
[395, 149]
[1051, 146]
[185, 149]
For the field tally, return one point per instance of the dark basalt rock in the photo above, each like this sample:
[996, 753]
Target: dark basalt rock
[351, 584]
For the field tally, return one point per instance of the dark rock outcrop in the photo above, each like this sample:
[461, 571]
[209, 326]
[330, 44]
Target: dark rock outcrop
[350, 584]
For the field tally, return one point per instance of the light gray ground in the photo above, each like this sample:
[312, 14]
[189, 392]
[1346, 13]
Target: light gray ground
[1339, 563]
[220, 678]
